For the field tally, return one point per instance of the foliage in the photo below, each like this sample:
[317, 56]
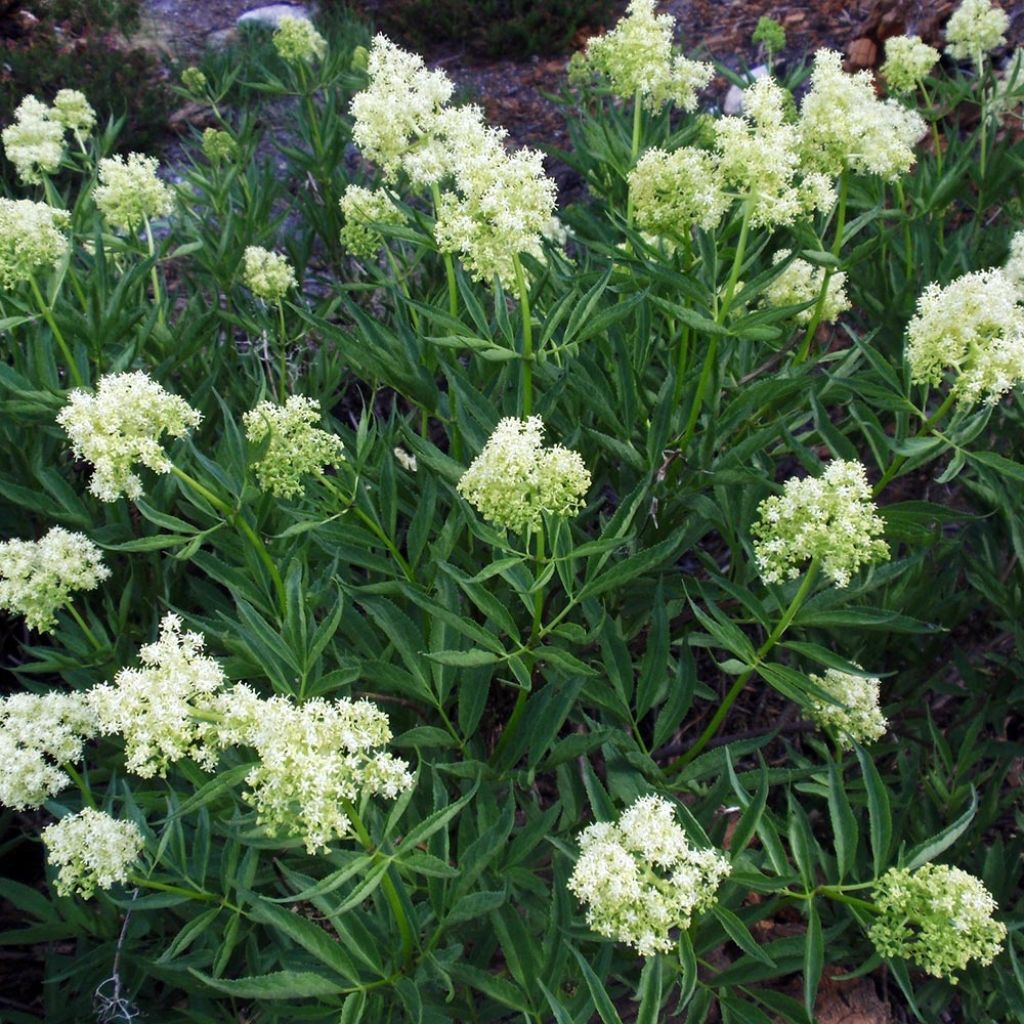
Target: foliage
[373, 738]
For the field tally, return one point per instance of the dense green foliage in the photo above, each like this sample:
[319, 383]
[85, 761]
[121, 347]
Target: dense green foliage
[535, 682]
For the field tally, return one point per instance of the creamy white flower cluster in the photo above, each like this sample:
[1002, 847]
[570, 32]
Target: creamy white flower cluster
[39, 734]
[297, 41]
[640, 877]
[976, 27]
[801, 282]
[37, 577]
[973, 326]
[857, 718]
[672, 192]
[152, 706]
[844, 125]
[31, 238]
[129, 193]
[313, 757]
[34, 141]
[908, 61]
[92, 850]
[514, 480]
[939, 917]
[121, 424]
[268, 275]
[362, 208]
[638, 59]
[297, 447]
[831, 518]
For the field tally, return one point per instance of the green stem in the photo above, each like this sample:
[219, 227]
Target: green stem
[711, 730]
[282, 342]
[77, 779]
[926, 428]
[527, 361]
[153, 276]
[449, 263]
[682, 357]
[47, 313]
[908, 254]
[193, 894]
[84, 627]
[634, 151]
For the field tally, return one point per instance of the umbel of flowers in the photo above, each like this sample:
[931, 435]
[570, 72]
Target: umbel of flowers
[801, 283]
[92, 850]
[640, 877]
[31, 239]
[856, 716]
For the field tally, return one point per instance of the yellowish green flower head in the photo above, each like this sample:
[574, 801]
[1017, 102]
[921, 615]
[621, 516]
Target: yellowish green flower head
[72, 110]
[514, 481]
[396, 113]
[37, 577]
[312, 757]
[845, 126]
[857, 718]
[675, 192]
[121, 424]
[152, 707]
[31, 239]
[129, 193]
[218, 145]
[640, 878]
[297, 41]
[92, 851]
[770, 34]
[908, 62]
[296, 447]
[193, 79]
[38, 735]
[975, 28]
[34, 142]
[801, 282]
[638, 60]
[362, 208]
[268, 275]
[939, 917]
[830, 517]
[972, 328]
[759, 160]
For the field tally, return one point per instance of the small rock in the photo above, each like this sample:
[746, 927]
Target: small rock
[862, 53]
[271, 14]
[733, 103]
[221, 38]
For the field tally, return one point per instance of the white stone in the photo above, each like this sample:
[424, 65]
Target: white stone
[271, 14]
[733, 104]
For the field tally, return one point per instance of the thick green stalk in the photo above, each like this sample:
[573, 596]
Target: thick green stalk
[84, 627]
[634, 151]
[282, 344]
[449, 263]
[908, 248]
[47, 313]
[527, 361]
[894, 467]
[153, 276]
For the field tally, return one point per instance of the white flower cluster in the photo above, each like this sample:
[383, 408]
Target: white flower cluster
[937, 916]
[31, 238]
[92, 850]
[907, 62]
[297, 41]
[121, 424]
[801, 282]
[38, 577]
[268, 275]
[637, 58]
[857, 717]
[831, 518]
[72, 110]
[672, 192]
[362, 208]
[34, 142]
[296, 447]
[975, 28]
[973, 326]
[39, 734]
[129, 192]
[843, 124]
[640, 877]
[514, 480]
[312, 757]
[152, 707]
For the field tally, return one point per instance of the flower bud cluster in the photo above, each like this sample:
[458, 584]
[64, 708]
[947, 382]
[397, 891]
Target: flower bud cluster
[296, 446]
[218, 145]
[975, 28]
[973, 326]
[129, 192]
[514, 480]
[640, 877]
[638, 59]
[92, 850]
[857, 718]
[801, 282]
[31, 238]
[831, 518]
[937, 916]
[38, 577]
[121, 424]
[297, 41]
[362, 208]
[39, 734]
[908, 62]
[268, 275]
[34, 142]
